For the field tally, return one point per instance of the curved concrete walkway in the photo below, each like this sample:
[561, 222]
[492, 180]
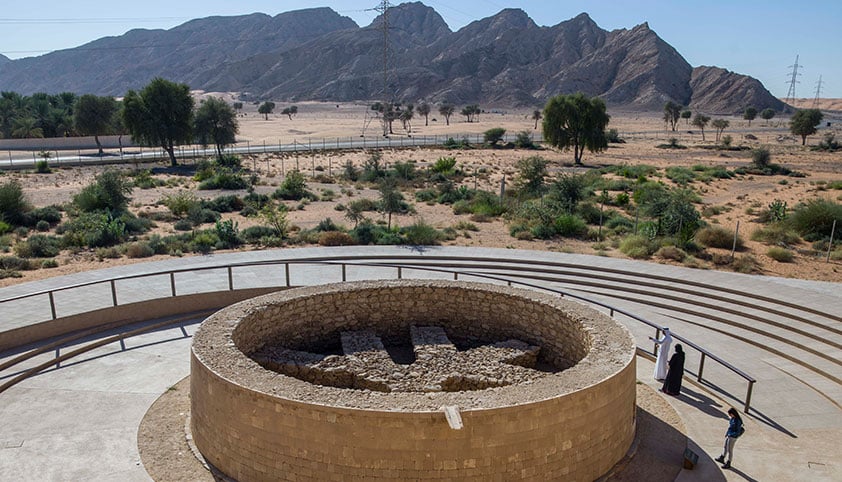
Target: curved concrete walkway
[79, 421]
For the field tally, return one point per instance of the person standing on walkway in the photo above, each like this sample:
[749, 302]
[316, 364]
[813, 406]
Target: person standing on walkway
[663, 352]
[735, 429]
[672, 384]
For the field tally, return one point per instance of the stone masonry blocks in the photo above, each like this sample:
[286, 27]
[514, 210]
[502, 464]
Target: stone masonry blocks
[255, 424]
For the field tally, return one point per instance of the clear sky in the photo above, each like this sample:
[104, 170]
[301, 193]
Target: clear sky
[756, 37]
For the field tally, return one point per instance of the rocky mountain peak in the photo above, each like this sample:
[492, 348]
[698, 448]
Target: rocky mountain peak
[414, 19]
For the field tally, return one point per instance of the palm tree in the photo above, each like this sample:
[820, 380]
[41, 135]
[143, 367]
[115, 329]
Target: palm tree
[25, 128]
[536, 116]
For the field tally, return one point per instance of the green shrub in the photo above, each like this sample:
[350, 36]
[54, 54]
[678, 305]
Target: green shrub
[158, 244]
[183, 225]
[814, 219]
[254, 234]
[335, 238]
[465, 226]
[93, 230]
[777, 233]
[143, 179]
[613, 137]
[570, 226]
[199, 216]
[50, 214]
[680, 175]
[203, 242]
[38, 246]
[761, 157]
[15, 263]
[43, 167]
[40, 226]
[405, 171]
[229, 161]
[181, 203]
[543, 231]
[13, 204]
[782, 255]
[444, 165]
[421, 234]
[49, 263]
[637, 247]
[224, 204]
[294, 187]
[523, 140]
[140, 249]
[373, 169]
[6, 227]
[426, 195]
[224, 179]
[111, 252]
[228, 234]
[631, 172]
[109, 192]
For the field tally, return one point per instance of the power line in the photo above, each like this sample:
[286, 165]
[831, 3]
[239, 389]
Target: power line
[36, 21]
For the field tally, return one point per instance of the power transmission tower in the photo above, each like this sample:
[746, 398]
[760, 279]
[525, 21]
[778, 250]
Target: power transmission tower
[818, 93]
[790, 95]
[387, 97]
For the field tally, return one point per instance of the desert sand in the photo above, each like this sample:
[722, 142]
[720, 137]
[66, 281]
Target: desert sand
[736, 200]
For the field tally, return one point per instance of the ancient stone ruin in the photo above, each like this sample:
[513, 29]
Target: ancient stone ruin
[410, 380]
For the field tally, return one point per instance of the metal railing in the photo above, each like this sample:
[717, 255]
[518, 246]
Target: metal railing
[399, 267]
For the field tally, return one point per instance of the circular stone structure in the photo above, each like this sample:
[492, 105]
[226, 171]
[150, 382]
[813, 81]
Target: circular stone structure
[574, 421]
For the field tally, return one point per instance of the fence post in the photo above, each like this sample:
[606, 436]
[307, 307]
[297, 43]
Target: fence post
[830, 244]
[230, 279]
[52, 304]
[400, 273]
[748, 395]
[113, 293]
[701, 367]
[734, 247]
[343, 272]
[286, 269]
[172, 283]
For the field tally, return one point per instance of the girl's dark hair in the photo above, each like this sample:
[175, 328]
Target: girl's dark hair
[733, 411]
[679, 348]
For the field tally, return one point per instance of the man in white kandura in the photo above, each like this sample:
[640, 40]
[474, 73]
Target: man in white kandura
[663, 354]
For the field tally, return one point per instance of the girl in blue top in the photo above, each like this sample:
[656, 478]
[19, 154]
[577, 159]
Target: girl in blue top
[735, 429]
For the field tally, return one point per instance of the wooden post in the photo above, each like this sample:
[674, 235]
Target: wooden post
[734, 247]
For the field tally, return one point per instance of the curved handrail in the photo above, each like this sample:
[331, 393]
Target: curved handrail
[347, 261]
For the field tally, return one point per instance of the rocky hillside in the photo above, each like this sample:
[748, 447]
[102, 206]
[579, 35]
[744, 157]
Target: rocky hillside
[316, 54]
[4, 59]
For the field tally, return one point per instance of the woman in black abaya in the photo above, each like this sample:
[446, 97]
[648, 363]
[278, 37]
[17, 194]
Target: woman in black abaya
[672, 384]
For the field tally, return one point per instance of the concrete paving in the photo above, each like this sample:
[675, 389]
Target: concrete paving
[79, 422]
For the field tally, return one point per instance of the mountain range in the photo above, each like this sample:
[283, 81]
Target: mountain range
[317, 54]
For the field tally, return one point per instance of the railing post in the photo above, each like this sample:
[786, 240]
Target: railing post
[657, 337]
[113, 293]
[748, 395]
[286, 270]
[172, 283]
[455, 275]
[343, 272]
[230, 279]
[611, 311]
[52, 304]
[400, 273]
[701, 367]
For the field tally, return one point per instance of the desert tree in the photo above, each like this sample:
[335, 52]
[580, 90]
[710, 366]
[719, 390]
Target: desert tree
[672, 112]
[391, 199]
[767, 114]
[471, 112]
[576, 121]
[536, 116]
[161, 114]
[447, 110]
[804, 123]
[686, 115]
[266, 108]
[424, 109]
[290, 111]
[406, 116]
[238, 106]
[531, 173]
[494, 135]
[216, 123]
[720, 125]
[389, 112]
[750, 114]
[701, 121]
[94, 116]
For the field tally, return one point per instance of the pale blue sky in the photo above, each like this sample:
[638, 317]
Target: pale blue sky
[754, 37]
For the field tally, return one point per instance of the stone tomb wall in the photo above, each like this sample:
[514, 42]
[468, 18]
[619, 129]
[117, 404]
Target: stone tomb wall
[255, 424]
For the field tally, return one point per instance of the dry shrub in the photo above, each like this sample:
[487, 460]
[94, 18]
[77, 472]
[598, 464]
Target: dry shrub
[717, 237]
[335, 238]
[781, 255]
[745, 264]
[671, 252]
[141, 249]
